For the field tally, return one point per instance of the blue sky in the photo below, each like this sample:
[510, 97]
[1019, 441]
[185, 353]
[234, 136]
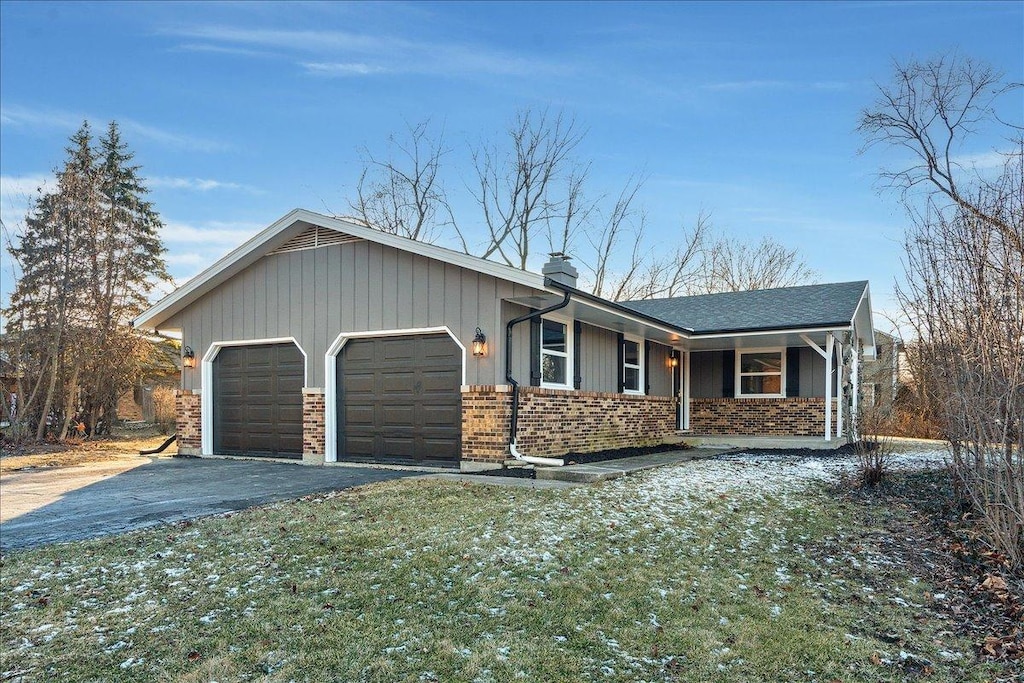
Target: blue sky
[240, 112]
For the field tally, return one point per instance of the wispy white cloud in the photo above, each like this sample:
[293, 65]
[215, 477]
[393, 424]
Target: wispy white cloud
[209, 234]
[16, 194]
[224, 50]
[342, 68]
[24, 185]
[196, 184]
[18, 116]
[346, 54]
[981, 161]
[770, 84]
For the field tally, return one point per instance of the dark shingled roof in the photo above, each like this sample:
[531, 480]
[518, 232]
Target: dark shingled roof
[764, 309]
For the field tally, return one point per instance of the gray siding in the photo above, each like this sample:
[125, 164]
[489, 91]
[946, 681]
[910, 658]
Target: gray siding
[812, 374]
[660, 371]
[706, 374]
[316, 294]
[598, 352]
[599, 356]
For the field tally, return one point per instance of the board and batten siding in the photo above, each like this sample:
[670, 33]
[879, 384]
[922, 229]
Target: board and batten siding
[706, 374]
[314, 295]
[598, 352]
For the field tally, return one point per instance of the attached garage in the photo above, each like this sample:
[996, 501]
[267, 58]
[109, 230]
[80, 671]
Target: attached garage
[399, 399]
[257, 400]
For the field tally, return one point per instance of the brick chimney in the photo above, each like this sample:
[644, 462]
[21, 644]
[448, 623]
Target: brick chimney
[560, 270]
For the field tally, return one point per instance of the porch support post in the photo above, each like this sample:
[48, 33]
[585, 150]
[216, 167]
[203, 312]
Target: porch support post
[855, 381]
[685, 403]
[839, 389]
[826, 353]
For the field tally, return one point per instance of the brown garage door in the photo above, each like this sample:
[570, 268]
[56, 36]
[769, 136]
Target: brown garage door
[398, 400]
[257, 400]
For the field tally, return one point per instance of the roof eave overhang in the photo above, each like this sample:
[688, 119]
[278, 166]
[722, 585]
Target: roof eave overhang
[816, 327]
[627, 314]
[284, 229]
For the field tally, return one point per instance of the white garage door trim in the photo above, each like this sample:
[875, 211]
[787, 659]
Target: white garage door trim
[331, 378]
[206, 390]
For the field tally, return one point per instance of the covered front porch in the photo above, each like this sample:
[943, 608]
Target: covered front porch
[772, 389]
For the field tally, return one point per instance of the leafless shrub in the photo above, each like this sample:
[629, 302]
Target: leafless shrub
[964, 291]
[163, 408]
[874, 448]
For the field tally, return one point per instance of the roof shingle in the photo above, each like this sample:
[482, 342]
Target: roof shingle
[763, 309]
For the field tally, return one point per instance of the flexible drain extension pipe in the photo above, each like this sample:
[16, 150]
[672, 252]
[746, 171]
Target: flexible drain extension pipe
[532, 459]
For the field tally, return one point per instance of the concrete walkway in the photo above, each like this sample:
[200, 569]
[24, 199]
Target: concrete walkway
[613, 469]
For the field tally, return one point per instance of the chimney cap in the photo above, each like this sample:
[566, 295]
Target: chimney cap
[558, 255]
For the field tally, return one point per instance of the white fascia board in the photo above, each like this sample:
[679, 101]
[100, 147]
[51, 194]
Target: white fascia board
[802, 330]
[255, 248]
[864, 309]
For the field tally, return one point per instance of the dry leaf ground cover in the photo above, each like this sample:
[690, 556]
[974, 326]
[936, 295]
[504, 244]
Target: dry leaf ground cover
[733, 569]
[15, 457]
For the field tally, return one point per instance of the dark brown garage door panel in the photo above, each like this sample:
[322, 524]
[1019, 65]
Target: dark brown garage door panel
[257, 400]
[399, 399]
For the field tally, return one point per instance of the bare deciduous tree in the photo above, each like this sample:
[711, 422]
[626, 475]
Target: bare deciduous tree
[534, 184]
[964, 290]
[930, 109]
[403, 194]
[734, 265]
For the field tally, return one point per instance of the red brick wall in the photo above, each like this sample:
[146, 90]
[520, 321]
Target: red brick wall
[313, 435]
[188, 415]
[553, 422]
[759, 416]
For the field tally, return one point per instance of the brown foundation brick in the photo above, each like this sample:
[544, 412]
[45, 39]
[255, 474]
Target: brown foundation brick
[189, 417]
[759, 416]
[313, 429]
[553, 422]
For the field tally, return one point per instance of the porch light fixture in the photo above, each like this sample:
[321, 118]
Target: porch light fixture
[674, 361]
[479, 344]
[188, 357]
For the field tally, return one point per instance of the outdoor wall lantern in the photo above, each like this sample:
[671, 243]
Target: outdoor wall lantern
[188, 357]
[673, 361]
[479, 344]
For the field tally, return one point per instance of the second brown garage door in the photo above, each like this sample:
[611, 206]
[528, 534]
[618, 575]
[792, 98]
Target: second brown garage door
[399, 400]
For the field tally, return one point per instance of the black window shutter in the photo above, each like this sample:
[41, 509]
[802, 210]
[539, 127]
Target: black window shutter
[621, 360]
[728, 374]
[647, 367]
[793, 371]
[535, 352]
[577, 365]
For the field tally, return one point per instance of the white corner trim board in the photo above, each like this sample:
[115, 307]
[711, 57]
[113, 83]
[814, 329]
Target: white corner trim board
[331, 376]
[206, 380]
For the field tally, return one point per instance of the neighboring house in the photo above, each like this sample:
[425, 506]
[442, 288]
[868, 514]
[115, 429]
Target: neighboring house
[329, 341]
[884, 374]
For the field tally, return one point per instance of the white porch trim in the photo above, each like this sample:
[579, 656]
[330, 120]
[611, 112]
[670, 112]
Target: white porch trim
[827, 353]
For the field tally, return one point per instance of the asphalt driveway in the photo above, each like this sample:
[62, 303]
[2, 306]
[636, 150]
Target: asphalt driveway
[66, 504]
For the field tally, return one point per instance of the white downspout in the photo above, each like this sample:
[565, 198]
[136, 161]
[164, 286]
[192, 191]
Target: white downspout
[534, 459]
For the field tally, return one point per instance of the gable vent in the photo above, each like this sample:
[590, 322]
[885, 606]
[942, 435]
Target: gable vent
[313, 238]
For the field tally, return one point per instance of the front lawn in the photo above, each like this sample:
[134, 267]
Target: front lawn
[719, 570]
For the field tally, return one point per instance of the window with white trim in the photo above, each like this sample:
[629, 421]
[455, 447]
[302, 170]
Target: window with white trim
[632, 366]
[761, 372]
[555, 354]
